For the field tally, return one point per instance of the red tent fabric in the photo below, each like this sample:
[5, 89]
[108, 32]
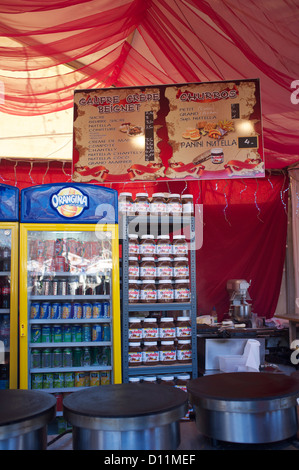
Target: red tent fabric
[143, 42]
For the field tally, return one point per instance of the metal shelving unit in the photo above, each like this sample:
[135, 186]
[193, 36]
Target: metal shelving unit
[157, 225]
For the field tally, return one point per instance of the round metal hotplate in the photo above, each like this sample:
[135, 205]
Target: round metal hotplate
[20, 405]
[243, 386]
[245, 407]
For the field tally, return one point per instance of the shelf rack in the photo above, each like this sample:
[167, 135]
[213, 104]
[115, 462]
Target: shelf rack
[157, 225]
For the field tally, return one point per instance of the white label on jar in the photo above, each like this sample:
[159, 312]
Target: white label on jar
[184, 354]
[135, 357]
[135, 333]
[142, 207]
[133, 294]
[133, 248]
[182, 293]
[188, 207]
[167, 356]
[150, 333]
[158, 207]
[165, 294]
[181, 271]
[180, 249]
[164, 249]
[164, 271]
[150, 357]
[167, 332]
[148, 295]
[126, 206]
[133, 270]
[174, 207]
[147, 249]
[183, 331]
[147, 271]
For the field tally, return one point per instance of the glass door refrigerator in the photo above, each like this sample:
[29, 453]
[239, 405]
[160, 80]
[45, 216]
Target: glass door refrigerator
[9, 268]
[69, 288]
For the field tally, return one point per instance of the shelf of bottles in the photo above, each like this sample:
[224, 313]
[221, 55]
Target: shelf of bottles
[69, 309]
[5, 276]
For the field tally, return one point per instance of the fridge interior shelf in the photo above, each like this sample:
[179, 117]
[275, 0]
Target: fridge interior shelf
[39, 370]
[71, 320]
[69, 344]
[70, 297]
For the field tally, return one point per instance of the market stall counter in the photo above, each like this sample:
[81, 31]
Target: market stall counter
[245, 407]
[126, 417]
[24, 416]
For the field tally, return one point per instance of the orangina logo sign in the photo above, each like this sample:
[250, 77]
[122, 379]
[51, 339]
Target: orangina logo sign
[69, 202]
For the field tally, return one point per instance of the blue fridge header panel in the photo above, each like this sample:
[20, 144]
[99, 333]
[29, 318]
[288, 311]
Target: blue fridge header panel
[69, 202]
[9, 203]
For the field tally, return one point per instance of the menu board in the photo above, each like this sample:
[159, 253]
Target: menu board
[209, 130]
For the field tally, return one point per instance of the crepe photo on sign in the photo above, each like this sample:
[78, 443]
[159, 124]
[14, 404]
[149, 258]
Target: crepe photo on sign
[115, 138]
[214, 130]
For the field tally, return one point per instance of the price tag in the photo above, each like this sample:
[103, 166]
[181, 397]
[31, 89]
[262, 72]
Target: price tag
[149, 136]
[248, 142]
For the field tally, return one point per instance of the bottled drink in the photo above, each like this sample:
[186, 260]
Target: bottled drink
[5, 295]
[6, 259]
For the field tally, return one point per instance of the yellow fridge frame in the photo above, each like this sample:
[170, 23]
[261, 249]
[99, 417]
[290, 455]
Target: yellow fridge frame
[14, 301]
[116, 324]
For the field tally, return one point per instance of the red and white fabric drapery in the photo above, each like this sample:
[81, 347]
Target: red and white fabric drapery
[143, 42]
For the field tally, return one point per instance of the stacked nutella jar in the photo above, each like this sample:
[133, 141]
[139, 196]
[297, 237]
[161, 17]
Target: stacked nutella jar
[158, 269]
[166, 342]
[161, 204]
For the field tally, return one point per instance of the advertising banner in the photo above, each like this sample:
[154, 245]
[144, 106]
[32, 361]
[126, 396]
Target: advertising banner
[209, 130]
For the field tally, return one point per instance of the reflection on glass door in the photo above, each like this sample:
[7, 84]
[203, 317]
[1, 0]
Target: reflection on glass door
[70, 309]
[5, 281]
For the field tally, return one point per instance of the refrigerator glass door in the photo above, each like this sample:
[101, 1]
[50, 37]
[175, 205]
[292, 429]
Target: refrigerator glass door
[70, 308]
[8, 305]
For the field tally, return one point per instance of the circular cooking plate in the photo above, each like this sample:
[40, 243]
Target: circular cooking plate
[124, 400]
[20, 405]
[243, 386]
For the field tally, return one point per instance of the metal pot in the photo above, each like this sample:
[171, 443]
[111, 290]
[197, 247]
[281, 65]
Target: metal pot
[242, 312]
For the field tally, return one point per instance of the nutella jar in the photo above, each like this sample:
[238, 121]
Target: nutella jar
[181, 267]
[184, 351]
[183, 328]
[147, 269]
[167, 329]
[181, 381]
[167, 380]
[133, 291]
[152, 379]
[148, 291]
[187, 204]
[150, 353]
[150, 329]
[158, 204]
[167, 354]
[174, 205]
[133, 244]
[163, 246]
[217, 156]
[147, 245]
[181, 290]
[165, 291]
[142, 204]
[135, 329]
[135, 354]
[133, 270]
[134, 380]
[179, 245]
[126, 204]
[164, 268]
